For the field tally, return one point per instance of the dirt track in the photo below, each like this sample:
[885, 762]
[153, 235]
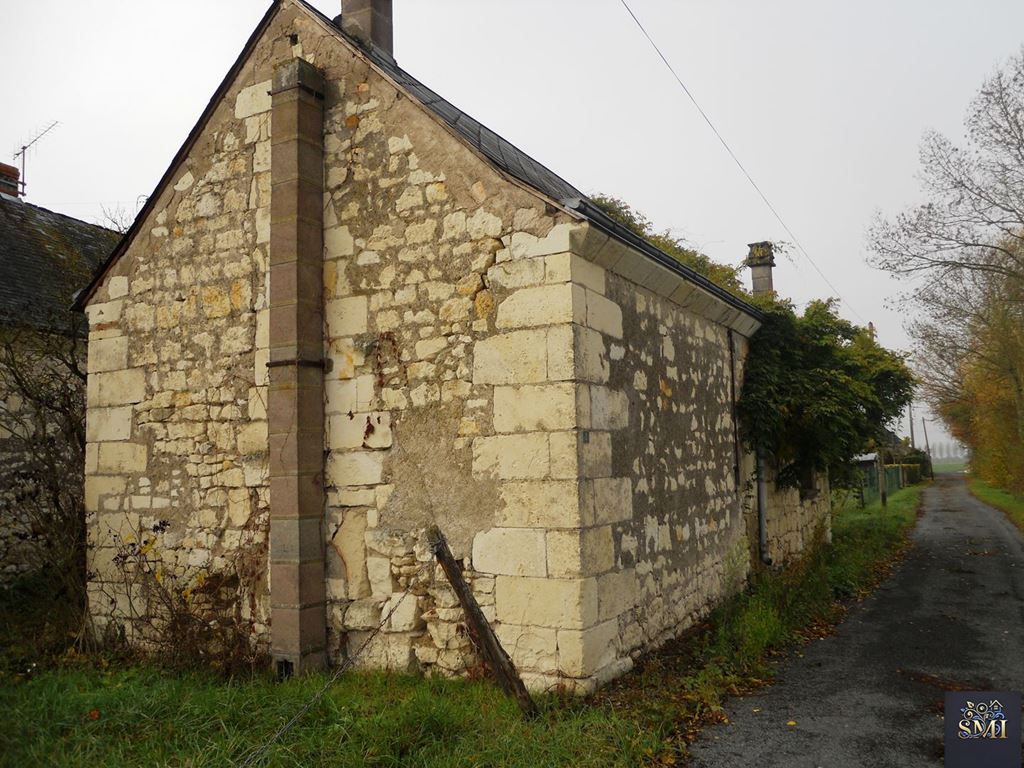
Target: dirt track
[952, 614]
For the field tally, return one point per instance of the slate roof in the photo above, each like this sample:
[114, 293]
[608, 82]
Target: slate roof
[516, 163]
[500, 152]
[40, 252]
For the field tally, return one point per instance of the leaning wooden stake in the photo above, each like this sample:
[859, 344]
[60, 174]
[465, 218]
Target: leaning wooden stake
[493, 653]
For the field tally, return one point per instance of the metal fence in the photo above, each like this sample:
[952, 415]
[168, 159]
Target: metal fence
[896, 476]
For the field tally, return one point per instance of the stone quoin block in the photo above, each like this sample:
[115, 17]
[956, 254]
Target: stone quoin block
[518, 357]
[539, 504]
[591, 355]
[585, 552]
[609, 408]
[564, 448]
[582, 652]
[512, 457]
[117, 387]
[122, 458]
[531, 648]
[561, 360]
[356, 468]
[604, 315]
[108, 354]
[534, 408]
[617, 591]
[102, 424]
[610, 499]
[546, 602]
[510, 551]
[543, 305]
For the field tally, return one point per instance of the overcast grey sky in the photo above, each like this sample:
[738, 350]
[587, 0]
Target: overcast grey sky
[823, 101]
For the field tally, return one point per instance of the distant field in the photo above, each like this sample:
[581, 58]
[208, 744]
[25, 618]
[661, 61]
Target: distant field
[949, 465]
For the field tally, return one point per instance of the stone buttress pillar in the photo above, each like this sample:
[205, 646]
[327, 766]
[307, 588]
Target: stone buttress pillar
[296, 396]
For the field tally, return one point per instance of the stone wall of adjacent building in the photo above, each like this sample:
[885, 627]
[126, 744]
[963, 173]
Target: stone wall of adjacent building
[19, 538]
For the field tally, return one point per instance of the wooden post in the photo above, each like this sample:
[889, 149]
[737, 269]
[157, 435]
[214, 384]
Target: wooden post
[927, 447]
[495, 656]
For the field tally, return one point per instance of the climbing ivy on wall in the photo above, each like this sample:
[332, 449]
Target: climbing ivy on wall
[817, 391]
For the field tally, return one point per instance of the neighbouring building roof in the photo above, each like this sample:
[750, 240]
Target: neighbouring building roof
[502, 154]
[40, 252]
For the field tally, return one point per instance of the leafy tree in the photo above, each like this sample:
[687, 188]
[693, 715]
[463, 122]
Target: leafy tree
[723, 275]
[817, 391]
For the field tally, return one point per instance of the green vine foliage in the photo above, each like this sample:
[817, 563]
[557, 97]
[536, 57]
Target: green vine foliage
[817, 391]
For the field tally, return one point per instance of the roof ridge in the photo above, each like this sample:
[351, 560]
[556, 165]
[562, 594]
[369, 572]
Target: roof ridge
[67, 216]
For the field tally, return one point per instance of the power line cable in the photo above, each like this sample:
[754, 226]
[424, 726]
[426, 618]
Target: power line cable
[763, 196]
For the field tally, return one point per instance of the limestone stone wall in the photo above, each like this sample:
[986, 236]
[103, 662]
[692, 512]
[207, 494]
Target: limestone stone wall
[448, 385]
[656, 389]
[176, 454]
[796, 517]
[569, 430]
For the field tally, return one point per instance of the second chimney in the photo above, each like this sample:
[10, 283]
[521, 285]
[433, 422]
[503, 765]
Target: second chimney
[761, 259]
[9, 183]
[369, 22]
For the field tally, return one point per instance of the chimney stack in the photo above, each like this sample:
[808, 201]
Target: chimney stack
[761, 259]
[9, 183]
[369, 21]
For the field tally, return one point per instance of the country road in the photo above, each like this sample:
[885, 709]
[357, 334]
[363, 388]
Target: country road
[953, 612]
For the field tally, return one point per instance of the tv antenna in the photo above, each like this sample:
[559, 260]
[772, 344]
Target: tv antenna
[23, 152]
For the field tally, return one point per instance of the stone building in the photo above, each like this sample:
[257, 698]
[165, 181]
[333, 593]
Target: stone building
[350, 311]
[44, 258]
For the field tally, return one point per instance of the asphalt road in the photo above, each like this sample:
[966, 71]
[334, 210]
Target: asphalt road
[871, 694]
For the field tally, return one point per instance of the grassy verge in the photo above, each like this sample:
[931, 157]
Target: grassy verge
[1009, 503]
[87, 715]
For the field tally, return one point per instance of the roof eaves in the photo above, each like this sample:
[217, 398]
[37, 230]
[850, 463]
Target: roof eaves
[609, 226]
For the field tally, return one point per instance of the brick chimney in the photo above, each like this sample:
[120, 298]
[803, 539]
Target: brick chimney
[761, 259]
[369, 21]
[9, 180]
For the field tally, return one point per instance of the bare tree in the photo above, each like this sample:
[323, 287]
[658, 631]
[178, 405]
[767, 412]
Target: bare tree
[974, 217]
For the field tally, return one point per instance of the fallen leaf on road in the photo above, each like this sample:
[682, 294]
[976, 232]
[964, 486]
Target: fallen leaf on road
[791, 722]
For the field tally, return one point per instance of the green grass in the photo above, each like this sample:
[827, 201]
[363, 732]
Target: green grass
[1009, 503]
[142, 716]
[86, 714]
[949, 465]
